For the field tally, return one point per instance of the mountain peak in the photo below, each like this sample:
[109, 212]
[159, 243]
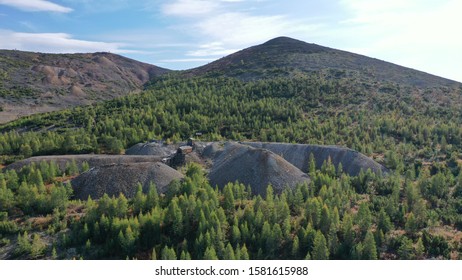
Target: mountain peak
[282, 40]
[285, 56]
[290, 45]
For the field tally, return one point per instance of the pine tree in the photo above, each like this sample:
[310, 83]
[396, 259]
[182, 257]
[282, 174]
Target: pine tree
[411, 224]
[333, 242]
[320, 250]
[339, 169]
[384, 223]
[369, 249]
[185, 255]
[35, 177]
[168, 254]
[324, 223]
[174, 217]
[335, 219]
[6, 197]
[244, 253]
[54, 255]
[85, 166]
[295, 248]
[139, 201]
[419, 249]
[229, 253]
[210, 254]
[348, 236]
[311, 165]
[37, 247]
[72, 168]
[24, 245]
[406, 250]
[152, 199]
[235, 235]
[364, 218]
[228, 203]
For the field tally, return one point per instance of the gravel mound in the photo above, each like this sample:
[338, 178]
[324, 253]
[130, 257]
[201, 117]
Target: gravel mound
[298, 155]
[252, 166]
[123, 178]
[92, 160]
[212, 150]
[152, 148]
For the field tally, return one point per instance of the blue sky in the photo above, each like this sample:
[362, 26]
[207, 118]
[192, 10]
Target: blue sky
[180, 34]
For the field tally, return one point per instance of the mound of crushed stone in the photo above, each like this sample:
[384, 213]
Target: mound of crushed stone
[91, 159]
[152, 148]
[212, 150]
[123, 178]
[252, 166]
[298, 155]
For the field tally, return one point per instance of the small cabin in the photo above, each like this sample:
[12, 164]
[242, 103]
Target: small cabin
[185, 149]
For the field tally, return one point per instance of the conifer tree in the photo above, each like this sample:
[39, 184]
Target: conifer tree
[320, 250]
[152, 199]
[295, 248]
[364, 218]
[406, 250]
[384, 223]
[229, 253]
[210, 254]
[37, 247]
[228, 203]
[244, 253]
[311, 165]
[419, 249]
[168, 254]
[369, 249]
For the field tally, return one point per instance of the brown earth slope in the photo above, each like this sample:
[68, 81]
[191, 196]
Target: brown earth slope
[36, 82]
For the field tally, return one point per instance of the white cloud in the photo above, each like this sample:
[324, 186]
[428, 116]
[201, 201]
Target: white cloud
[212, 49]
[36, 6]
[240, 30]
[56, 43]
[417, 34]
[225, 26]
[190, 8]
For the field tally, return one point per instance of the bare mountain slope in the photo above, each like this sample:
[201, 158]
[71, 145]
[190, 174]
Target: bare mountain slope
[36, 82]
[285, 56]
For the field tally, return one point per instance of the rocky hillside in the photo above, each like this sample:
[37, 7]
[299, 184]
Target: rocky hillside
[35, 82]
[285, 56]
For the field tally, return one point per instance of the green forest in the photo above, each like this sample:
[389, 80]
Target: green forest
[413, 212]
